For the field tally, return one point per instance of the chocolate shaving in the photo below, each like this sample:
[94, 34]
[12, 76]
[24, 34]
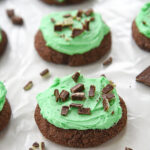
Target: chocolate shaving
[144, 22]
[75, 76]
[58, 27]
[108, 61]
[144, 77]
[110, 96]
[77, 88]
[28, 86]
[84, 111]
[67, 15]
[10, 12]
[89, 12]
[35, 144]
[78, 96]
[45, 73]
[105, 104]
[17, 20]
[53, 20]
[79, 13]
[128, 148]
[76, 32]
[92, 19]
[64, 110]
[92, 91]
[42, 146]
[56, 93]
[76, 105]
[86, 25]
[107, 89]
[64, 95]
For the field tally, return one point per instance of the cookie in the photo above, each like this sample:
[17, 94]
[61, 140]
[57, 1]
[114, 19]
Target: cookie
[62, 2]
[141, 28]
[144, 77]
[65, 43]
[89, 117]
[5, 110]
[3, 41]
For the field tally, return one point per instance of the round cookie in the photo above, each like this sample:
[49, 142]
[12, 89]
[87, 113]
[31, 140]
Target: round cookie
[5, 110]
[66, 38]
[77, 128]
[62, 2]
[3, 41]
[141, 28]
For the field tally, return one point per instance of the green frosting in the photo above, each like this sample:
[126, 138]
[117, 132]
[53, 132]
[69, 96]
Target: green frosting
[78, 45]
[2, 95]
[143, 20]
[99, 119]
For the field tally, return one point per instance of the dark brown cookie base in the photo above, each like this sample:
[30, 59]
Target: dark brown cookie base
[79, 138]
[142, 41]
[5, 115]
[3, 43]
[63, 3]
[51, 55]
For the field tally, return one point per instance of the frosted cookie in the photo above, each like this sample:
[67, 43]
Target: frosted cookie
[80, 112]
[5, 110]
[141, 28]
[3, 41]
[73, 37]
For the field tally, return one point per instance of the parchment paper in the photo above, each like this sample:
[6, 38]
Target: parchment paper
[21, 63]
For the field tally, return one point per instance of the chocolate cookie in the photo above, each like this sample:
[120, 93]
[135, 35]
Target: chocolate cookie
[5, 115]
[3, 42]
[79, 138]
[62, 2]
[51, 55]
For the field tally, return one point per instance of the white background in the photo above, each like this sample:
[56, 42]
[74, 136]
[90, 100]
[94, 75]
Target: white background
[20, 63]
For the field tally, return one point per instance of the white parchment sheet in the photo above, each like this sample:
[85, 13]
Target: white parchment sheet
[21, 63]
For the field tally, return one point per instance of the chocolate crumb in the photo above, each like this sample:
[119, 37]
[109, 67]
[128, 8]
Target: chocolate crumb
[77, 88]
[110, 96]
[92, 19]
[144, 22]
[86, 25]
[45, 73]
[53, 20]
[64, 110]
[89, 12]
[35, 144]
[67, 15]
[112, 112]
[105, 104]
[79, 13]
[76, 32]
[64, 95]
[128, 148]
[92, 91]
[144, 77]
[78, 96]
[107, 89]
[108, 61]
[56, 93]
[76, 105]
[10, 12]
[75, 76]
[31, 148]
[17, 20]
[42, 146]
[84, 111]
[58, 27]
[28, 86]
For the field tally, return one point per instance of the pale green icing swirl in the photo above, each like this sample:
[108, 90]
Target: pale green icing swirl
[78, 45]
[2, 95]
[99, 119]
[143, 20]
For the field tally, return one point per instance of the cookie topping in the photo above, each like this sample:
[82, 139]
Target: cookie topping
[64, 110]
[84, 111]
[75, 76]
[86, 25]
[79, 13]
[92, 91]
[64, 95]
[10, 12]
[58, 27]
[56, 93]
[45, 73]
[77, 88]
[28, 86]
[107, 89]
[76, 105]
[78, 96]
[108, 61]
[89, 12]
[17, 20]
[105, 104]
[76, 32]
[35, 144]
